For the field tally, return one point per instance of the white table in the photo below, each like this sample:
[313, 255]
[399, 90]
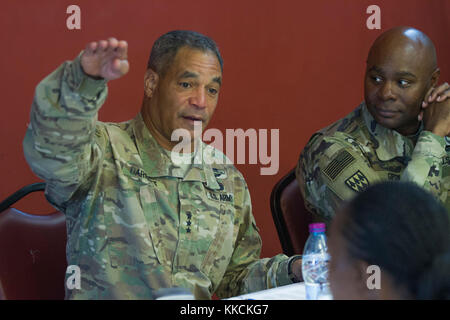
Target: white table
[294, 291]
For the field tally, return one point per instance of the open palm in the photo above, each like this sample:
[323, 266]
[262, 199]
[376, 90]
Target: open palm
[106, 59]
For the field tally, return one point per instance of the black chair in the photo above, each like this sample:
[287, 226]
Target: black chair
[290, 215]
[32, 251]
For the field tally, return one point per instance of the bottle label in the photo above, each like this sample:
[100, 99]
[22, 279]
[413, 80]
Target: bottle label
[315, 268]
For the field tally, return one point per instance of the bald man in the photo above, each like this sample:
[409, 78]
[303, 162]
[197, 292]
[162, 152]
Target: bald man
[399, 132]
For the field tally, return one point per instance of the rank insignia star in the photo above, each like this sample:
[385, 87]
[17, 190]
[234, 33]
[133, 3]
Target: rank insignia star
[188, 222]
[357, 182]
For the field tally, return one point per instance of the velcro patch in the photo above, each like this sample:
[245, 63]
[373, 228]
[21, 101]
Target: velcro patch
[338, 164]
[357, 182]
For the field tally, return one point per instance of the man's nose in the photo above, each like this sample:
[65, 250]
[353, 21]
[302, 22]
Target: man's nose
[198, 98]
[386, 91]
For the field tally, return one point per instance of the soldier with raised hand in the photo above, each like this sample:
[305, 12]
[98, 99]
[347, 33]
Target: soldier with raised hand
[399, 132]
[136, 220]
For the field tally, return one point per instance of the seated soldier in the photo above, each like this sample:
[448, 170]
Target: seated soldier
[136, 220]
[399, 132]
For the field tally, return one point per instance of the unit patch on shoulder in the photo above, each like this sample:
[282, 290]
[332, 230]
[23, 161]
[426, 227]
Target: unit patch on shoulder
[357, 182]
[338, 164]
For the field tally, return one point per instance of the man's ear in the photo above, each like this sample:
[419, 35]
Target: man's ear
[151, 79]
[435, 77]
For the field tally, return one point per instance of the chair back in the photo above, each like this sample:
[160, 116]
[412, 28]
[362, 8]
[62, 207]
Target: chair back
[290, 215]
[32, 251]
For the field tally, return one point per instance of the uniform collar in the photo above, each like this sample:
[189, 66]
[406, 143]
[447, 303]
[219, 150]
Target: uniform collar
[391, 143]
[157, 163]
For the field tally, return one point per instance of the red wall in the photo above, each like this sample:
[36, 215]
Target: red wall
[290, 65]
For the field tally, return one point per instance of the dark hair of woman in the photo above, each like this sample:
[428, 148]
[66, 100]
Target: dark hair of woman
[406, 232]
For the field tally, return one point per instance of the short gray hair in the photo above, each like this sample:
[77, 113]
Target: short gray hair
[166, 47]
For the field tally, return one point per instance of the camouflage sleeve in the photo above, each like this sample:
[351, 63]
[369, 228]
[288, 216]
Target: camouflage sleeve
[246, 272]
[62, 144]
[333, 169]
[330, 171]
[426, 165]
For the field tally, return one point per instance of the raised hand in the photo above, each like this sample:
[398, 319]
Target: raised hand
[436, 118]
[105, 59]
[435, 94]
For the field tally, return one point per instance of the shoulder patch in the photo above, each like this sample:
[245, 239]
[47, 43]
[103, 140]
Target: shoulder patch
[342, 160]
[219, 173]
[357, 182]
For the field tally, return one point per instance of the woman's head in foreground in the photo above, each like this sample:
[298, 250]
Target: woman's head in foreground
[391, 242]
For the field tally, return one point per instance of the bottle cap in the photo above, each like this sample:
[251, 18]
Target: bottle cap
[317, 227]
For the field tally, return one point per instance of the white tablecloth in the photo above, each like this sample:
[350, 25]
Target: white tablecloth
[294, 291]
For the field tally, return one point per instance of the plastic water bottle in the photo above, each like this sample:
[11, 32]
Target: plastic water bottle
[315, 264]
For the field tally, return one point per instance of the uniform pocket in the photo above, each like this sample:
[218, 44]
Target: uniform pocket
[128, 240]
[221, 246]
[159, 228]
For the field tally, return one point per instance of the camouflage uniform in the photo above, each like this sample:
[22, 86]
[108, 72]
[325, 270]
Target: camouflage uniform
[354, 152]
[135, 222]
